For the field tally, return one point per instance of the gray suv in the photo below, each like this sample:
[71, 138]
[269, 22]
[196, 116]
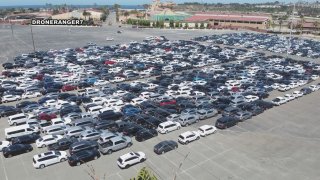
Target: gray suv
[188, 119]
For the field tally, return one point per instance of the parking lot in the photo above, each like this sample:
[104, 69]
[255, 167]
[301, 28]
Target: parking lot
[281, 143]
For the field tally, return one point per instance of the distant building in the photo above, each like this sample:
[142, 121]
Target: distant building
[94, 14]
[167, 15]
[256, 21]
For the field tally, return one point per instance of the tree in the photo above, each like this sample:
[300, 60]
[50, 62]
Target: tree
[186, 25]
[171, 24]
[145, 174]
[55, 11]
[126, 14]
[202, 25]
[176, 25]
[103, 17]
[116, 7]
[153, 24]
[316, 25]
[273, 25]
[196, 25]
[157, 24]
[280, 24]
[85, 14]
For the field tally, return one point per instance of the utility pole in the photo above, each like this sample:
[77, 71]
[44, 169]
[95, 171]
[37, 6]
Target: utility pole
[34, 49]
[11, 29]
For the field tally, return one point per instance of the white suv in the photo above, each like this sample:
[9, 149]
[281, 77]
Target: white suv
[47, 140]
[206, 130]
[130, 159]
[168, 126]
[188, 136]
[45, 159]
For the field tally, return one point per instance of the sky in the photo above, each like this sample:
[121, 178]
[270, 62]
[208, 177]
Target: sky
[121, 2]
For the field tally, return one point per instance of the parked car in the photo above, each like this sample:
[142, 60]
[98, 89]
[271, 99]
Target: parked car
[145, 134]
[115, 144]
[168, 126]
[226, 122]
[48, 158]
[47, 140]
[4, 144]
[83, 156]
[206, 130]
[16, 149]
[129, 159]
[25, 139]
[189, 136]
[165, 146]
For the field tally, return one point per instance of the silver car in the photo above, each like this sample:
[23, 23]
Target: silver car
[115, 144]
[206, 113]
[187, 119]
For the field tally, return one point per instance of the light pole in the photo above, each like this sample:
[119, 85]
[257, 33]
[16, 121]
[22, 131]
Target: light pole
[34, 49]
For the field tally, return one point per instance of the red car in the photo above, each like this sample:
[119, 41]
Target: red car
[47, 117]
[68, 88]
[166, 102]
[109, 62]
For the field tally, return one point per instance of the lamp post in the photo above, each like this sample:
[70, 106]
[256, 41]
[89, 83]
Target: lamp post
[34, 49]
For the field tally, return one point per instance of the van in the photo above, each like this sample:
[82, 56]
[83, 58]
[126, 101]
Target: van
[55, 130]
[186, 120]
[84, 122]
[17, 119]
[16, 131]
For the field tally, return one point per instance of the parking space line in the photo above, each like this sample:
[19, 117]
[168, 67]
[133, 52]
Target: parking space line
[208, 159]
[4, 168]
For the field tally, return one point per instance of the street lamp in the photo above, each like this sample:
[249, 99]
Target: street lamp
[34, 49]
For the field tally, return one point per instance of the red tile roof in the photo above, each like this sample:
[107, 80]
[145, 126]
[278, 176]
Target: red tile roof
[230, 17]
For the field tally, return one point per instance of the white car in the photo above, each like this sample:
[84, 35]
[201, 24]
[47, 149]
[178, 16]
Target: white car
[297, 94]
[168, 126]
[48, 158]
[279, 100]
[206, 130]
[289, 97]
[101, 82]
[47, 140]
[10, 98]
[284, 87]
[117, 79]
[314, 77]
[130, 159]
[30, 94]
[4, 144]
[188, 136]
[109, 39]
[251, 98]
[314, 87]
[173, 117]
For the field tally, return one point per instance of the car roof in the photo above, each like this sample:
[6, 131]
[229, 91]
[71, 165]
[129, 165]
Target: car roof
[205, 127]
[128, 155]
[186, 133]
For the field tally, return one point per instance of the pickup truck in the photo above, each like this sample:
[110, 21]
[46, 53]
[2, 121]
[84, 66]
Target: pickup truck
[115, 144]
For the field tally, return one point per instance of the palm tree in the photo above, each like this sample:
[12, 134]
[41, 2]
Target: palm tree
[316, 25]
[145, 174]
[126, 14]
[280, 24]
[85, 14]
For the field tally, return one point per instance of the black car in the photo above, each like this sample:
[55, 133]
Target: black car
[78, 158]
[165, 146]
[62, 144]
[8, 111]
[306, 91]
[110, 115]
[263, 104]
[110, 125]
[83, 145]
[25, 139]
[226, 122]
[145, 134]
[16, 149]
[131, 130]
